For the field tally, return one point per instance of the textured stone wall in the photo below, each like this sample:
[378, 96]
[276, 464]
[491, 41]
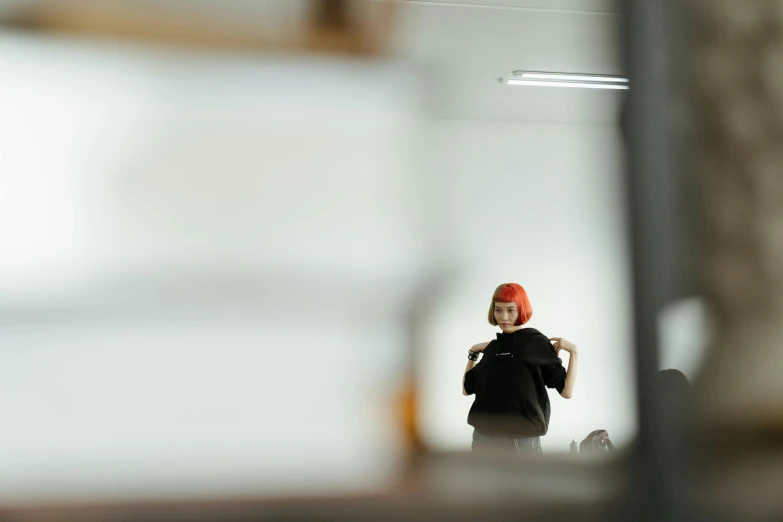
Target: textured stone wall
[737, 83]
[736, 59]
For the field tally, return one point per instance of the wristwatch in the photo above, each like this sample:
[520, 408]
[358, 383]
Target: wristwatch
[473, 356]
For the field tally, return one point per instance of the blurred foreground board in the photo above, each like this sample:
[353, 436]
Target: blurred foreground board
[331, 26]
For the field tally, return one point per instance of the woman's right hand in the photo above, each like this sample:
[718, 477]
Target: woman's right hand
[478, 347]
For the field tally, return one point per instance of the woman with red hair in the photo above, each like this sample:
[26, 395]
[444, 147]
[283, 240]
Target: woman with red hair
[511, 409]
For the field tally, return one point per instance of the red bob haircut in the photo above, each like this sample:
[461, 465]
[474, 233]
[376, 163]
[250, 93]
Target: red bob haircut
[511, 293]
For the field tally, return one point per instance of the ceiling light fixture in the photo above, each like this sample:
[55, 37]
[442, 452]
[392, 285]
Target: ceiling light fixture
[583, 81]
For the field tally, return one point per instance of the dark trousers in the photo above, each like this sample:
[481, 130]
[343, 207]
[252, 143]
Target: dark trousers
[518, 445]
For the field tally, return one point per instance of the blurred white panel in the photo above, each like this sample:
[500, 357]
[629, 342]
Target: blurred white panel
[205, 260]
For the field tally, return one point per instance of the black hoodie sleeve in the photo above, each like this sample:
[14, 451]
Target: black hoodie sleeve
[550, 364]
[554, 376]
[470, 382]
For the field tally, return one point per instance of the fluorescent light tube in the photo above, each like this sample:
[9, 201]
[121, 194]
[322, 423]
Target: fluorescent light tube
[573, 77]
[583, 85]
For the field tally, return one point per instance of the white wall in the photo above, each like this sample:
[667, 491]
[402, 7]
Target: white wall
[541, 205]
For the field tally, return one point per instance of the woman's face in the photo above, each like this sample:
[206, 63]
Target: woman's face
[506, 315]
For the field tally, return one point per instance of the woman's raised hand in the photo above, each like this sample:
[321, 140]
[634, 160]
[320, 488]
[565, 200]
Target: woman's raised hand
[558, 343]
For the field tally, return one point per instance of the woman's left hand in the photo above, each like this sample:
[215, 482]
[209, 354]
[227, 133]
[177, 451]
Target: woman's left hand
[558, 343]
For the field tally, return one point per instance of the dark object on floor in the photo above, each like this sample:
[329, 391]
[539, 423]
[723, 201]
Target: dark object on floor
[596, 441]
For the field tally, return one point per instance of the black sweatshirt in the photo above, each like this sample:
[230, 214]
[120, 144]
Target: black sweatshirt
[509, 383]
